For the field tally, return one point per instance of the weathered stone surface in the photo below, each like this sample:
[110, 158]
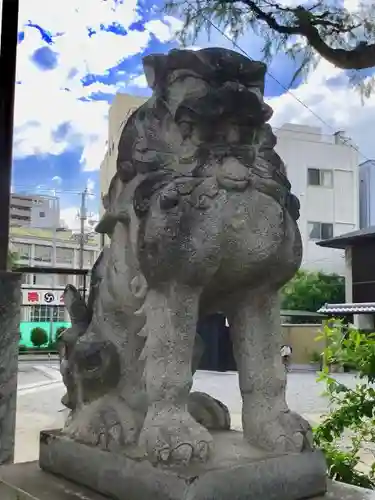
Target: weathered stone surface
[10, 309]
[235, 471]
[27, 481]
[201, 219]
[338, 491]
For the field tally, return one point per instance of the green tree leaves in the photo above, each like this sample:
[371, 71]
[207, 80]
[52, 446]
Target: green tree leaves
[353, 410]
[308, 291]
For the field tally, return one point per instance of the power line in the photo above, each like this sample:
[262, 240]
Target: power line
[235, 44]
[40, 191]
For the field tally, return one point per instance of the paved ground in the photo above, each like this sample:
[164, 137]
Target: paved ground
[40, 390]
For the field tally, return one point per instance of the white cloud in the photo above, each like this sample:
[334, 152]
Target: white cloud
[139, 81]
[338, 106]
[42, 104]
[90, 186]
[166, 29]
[70, 217]
[57, 179]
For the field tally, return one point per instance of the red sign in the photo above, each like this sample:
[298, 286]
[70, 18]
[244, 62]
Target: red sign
[33, 297]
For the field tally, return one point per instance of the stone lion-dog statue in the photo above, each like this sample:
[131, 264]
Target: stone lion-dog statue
[201, 219]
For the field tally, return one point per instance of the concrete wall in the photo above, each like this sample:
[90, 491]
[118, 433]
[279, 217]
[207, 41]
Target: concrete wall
[45, 213]
[366, 193]
[303, 147]
[302, 340]
[122, 107]
[34, 211]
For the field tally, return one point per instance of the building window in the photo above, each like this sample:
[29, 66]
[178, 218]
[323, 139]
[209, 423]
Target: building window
[40, 314]
[63, 280]
[318, 177]
[58, 314]
[43, 253]
[65, 255]
[320, 230]
[88, 258]
[27, 279]
[42, 215]
[45, 314]
[23, 250]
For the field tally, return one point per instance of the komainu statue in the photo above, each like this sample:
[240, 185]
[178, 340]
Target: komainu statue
[201, 219]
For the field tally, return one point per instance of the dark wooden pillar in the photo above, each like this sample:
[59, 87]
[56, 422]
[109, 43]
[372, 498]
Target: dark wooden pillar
[10, 283]
[8, 51]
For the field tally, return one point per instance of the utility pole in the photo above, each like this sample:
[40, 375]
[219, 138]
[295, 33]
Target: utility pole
[83, 219]
[82, 235]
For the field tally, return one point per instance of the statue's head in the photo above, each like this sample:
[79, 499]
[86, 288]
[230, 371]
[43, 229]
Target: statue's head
[207, 107]
[205, 101]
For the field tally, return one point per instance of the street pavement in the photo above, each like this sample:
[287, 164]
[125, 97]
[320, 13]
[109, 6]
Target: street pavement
[40, 390]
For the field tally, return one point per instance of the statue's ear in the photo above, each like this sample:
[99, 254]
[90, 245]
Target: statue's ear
[154, 66]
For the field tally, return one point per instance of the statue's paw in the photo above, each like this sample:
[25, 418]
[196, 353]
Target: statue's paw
[108, 424]
[173, 437]
[293, 433]
[284, 432]
[208, 411]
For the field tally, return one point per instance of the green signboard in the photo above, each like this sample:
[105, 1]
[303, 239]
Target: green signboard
[26, 328]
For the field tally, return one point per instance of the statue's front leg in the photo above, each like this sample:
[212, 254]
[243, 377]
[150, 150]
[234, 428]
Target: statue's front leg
[256, 332]
[170, 434]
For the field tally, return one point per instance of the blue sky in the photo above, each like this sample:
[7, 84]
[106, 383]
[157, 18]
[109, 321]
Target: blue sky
[73, 56]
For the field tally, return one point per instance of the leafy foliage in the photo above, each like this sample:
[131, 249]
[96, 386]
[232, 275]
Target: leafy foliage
[352, 409]
[12, 260]
[39, 337]
[323, 29]
[308, 291]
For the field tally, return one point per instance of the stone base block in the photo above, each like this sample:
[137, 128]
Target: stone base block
[237, 471]
[28, 482]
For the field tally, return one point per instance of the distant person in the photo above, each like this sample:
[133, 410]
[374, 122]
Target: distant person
[286, 353]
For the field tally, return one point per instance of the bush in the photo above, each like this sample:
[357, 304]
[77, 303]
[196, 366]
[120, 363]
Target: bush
[22, 348]
[39, 337]
[353, 412]
[308, 291]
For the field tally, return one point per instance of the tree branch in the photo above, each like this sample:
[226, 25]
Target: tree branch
[361, 57]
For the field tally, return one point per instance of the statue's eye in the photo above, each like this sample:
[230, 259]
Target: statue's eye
[186, 129]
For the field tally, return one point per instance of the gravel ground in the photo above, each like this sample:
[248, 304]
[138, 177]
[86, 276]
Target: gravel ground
[40, 407]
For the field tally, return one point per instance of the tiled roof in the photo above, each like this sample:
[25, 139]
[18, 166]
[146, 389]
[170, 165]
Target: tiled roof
[348, 308]
[349, 239]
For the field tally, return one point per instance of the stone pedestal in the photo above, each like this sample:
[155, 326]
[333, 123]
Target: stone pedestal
[237, 471]
[10, 309]
[28, 482]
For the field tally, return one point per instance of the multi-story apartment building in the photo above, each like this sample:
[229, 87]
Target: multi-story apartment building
[367, 194]
[34, 211]
[44, 248]
[323, 171]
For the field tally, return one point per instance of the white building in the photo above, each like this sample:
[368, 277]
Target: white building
[34, 211]
[121, 108]
[44, 248]
[323, 171]
[367, 194]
